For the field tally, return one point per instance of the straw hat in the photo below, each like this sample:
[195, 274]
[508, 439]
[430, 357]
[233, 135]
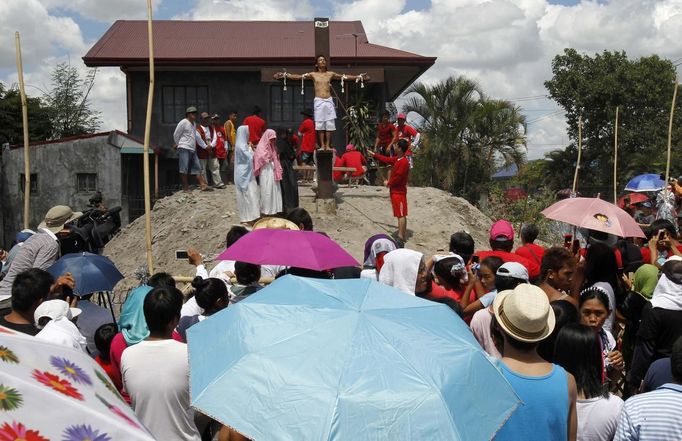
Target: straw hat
[57, 216]
[275, 223]
[524, 313]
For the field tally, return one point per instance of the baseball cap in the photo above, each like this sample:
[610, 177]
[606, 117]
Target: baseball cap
[401, 116]
[54, 309]
[205, 115]
[513, 269]
[524, 313]
[502, 230]
[350, 147]
[215, 116]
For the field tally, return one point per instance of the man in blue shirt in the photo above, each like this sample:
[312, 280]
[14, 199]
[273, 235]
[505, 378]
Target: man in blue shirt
[655, 415]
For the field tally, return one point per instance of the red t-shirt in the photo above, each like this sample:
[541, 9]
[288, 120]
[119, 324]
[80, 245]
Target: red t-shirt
[337, 175]
[307, 131]
[646, 253]
[438, 292]
[256, 127]
[220, 145]
[111, 371]
[400, 172]
[354, 159]
[532, 267]
[385, 133]
[532, 252]
[406, 132]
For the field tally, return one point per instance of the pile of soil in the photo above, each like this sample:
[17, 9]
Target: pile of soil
[201, 219]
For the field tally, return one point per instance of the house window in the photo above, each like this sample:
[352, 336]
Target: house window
[176, 99]
[34, 183]
[286, 105]
[86, 182]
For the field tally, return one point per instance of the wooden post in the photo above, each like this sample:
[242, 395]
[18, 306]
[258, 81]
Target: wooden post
[670, 133]
[24, 117]
[156, 175]
[322, 39]
[615, 160]
[580, 150]
[147, 134]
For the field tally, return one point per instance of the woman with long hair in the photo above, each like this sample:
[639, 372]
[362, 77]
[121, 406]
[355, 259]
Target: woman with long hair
[578, 350]
[601, 270]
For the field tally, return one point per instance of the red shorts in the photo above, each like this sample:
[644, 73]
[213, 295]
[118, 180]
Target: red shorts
[399, 203]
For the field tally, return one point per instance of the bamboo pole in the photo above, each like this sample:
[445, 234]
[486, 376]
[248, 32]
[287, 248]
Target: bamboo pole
[580, 150]
[615, 160]
[670, 133]
[24, 117]
[156, 175]
[147, 134]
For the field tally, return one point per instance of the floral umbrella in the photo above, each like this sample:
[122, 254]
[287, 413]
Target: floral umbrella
[55, 393]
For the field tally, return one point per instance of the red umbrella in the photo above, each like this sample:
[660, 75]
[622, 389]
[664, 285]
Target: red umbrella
[594, 214]
[635, 198]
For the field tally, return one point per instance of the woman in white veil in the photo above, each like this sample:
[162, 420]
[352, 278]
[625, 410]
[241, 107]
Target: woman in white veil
[248, 199]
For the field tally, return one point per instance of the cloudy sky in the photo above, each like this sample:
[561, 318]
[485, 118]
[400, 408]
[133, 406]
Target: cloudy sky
[506, 45]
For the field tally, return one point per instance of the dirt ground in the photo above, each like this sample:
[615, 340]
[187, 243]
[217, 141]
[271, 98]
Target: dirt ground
[201, 220]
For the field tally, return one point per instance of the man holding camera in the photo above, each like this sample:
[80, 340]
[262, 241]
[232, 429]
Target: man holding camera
[40, 250]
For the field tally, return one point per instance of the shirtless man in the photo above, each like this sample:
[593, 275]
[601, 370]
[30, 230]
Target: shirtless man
[325, 114]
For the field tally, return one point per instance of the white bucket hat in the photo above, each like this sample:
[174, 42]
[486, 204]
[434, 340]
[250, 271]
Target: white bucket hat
[524, 313]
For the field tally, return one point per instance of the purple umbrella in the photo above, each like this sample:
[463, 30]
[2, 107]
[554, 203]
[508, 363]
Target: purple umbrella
[300, 249]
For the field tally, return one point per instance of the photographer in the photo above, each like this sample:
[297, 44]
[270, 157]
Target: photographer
[40, 250]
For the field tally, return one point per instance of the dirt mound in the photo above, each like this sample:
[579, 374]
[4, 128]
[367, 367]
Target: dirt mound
[201, 220]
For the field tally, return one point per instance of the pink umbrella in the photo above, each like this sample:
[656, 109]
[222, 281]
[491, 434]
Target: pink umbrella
[300, 249]
[594, 214]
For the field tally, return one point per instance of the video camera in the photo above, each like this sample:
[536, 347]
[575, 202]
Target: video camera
[92, 230]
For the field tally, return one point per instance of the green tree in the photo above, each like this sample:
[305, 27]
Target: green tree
[11, 123]
[70, 107]
[592, 87]
[466, 136]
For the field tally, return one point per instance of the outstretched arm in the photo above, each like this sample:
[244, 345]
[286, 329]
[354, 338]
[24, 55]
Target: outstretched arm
[364, 77]
[289, 76]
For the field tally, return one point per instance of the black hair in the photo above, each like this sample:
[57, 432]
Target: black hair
[462, 243]
[594, 292]
[256, 110]
[208, 292]
[601, 266]
[448, 301]
[317, 57]
[501, 336]
[385, 113]
[676, 360]
[235, 233]
[662, 224]
[300, 216]
[578, 350]
[246, 273]
[30, 288]
[103, 338]
[161, 280]
[443, 268]
[504, 245]
[554, 259]
[402, 143]
[161, 307]
[232, 112]
[529, 233]
[492, 262]
[503, 283]
[565, 312]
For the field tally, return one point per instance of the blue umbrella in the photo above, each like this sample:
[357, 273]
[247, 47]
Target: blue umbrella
[311, 359]
[92, 272]
[646, 182]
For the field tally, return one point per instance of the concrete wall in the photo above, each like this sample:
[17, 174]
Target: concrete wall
[57, 165]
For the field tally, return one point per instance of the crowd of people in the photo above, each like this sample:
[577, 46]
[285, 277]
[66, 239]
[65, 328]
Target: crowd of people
[589, 337]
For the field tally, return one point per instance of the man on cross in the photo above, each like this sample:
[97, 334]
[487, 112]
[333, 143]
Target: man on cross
[324, 111]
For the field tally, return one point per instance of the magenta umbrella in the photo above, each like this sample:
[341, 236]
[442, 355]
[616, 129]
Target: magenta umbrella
[594, 214]
[300, 249]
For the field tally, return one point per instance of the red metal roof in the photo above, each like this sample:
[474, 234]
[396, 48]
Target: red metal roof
[238, 43]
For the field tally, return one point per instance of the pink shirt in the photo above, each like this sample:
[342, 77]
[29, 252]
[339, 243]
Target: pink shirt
[480, 326]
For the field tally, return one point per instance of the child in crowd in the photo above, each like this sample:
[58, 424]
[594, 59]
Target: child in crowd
[104, 335]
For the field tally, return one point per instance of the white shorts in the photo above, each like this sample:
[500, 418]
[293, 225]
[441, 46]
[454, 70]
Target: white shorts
[327, 126]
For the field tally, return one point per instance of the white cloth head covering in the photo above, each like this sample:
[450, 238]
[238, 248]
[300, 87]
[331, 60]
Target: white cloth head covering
[63, 331]
[243, 164]
[400, 269]
[667, 295]
[379, 246]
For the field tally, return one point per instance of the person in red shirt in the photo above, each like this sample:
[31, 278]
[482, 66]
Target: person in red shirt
[306, 132]
[256, 126]
[397, 184]
[502, 243]
[387, 135]
[104, 335]
[221, 145]
[355, 159]
[409, 133]
[528, 249]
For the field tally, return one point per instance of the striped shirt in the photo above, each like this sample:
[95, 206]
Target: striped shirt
[39, 251]
[653, 416]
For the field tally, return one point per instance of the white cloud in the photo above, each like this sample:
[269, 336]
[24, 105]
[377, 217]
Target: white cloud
[250, 10]
[103, 10]
[507, 45]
